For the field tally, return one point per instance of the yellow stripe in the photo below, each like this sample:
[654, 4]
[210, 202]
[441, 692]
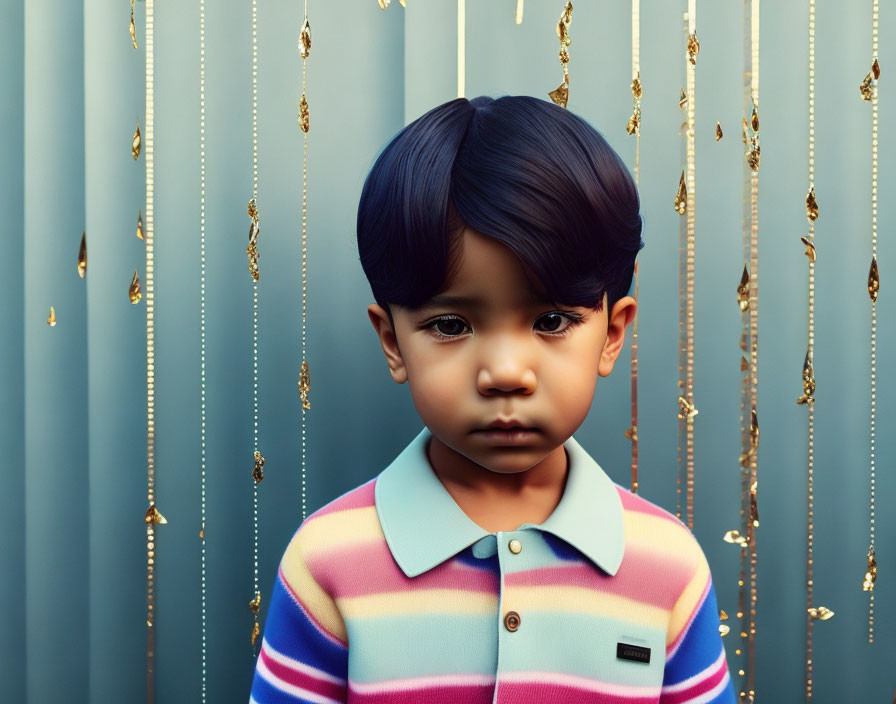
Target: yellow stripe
[418, 601]
[688, 599]
[341, 529]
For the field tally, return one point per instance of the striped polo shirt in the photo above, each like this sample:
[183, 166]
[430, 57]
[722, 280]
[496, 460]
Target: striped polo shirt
[391, 594]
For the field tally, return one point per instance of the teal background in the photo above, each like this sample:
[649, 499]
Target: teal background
[73, 401]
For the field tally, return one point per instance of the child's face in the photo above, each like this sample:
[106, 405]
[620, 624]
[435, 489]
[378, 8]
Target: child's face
[505, 358]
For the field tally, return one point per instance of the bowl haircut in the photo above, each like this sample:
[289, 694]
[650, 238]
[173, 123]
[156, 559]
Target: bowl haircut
[524, 171]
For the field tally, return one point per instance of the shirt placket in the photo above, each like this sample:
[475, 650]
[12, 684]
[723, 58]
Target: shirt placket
[509, 617]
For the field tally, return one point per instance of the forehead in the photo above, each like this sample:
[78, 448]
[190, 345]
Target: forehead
[486, 272]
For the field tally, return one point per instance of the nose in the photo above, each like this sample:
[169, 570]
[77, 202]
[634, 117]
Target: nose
[505, 367]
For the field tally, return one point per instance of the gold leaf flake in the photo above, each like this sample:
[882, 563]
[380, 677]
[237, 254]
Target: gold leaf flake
[733, 536]
[808, 396]
[754, 509]
[135, 143]
[686, 409]
[304, 118]
[202, 533]
[752, 153]
[305, 40]
[754, 428]
[636, 86]
[693, 48]
[133, 27]
[519, 11]
[723, 629]
[873, 279]
[632, 433]
[722, 615]
[257, 471]
[252, 208]
[810, 248]
[822, 613]
[255, 604]
[255, 629]
[82, 256]
[134, 291]
[744, 364]
[754, 120]
[560, 95]
[866, 88]
[811, 205]
[871, 574]
[719, 133]
[252, 249]
[305, 385]
[634, 123]
[683, 100]
[743, 340]
[743, 137]
[140, 225]
[51, 321]
[153, 515]
[383, 5]
[743, 291]
[875, 69]
[681, 197]
[402, 3]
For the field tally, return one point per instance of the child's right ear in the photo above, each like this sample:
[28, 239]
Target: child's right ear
[389, 342]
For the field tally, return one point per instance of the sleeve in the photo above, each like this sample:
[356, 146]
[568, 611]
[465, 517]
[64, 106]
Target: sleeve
[304, 649]
[696, 668]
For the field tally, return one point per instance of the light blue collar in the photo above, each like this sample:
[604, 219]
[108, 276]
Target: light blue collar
[424, 526]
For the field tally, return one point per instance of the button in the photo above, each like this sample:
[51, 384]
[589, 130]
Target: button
[515, 546]
[511, 620]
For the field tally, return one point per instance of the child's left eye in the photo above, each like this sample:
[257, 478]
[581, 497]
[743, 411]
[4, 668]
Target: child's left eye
[453, 322]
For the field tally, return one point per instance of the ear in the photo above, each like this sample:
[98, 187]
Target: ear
[619, 318]
[389, 342]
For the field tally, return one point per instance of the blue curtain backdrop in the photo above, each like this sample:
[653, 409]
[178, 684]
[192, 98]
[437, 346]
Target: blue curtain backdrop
[73, 401]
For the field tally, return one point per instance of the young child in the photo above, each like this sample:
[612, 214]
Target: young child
[494, 561]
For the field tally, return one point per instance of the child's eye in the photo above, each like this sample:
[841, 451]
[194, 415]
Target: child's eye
[448, 327]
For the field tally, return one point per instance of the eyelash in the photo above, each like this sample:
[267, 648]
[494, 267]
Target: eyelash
[573, 318]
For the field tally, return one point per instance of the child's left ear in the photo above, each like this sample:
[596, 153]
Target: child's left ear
[619, 319]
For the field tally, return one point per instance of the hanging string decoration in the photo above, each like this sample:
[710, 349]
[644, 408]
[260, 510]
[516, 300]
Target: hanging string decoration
[560, 95]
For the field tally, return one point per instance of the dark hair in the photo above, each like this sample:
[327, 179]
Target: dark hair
[528, 173]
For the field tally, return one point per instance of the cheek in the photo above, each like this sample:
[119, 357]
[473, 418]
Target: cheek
[436, 387]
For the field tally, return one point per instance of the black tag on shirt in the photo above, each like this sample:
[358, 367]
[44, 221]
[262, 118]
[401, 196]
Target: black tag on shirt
[626, 651]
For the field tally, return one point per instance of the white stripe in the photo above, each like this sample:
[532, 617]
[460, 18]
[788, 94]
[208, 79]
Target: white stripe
[298, 665]
[292, 689]
[696, 679]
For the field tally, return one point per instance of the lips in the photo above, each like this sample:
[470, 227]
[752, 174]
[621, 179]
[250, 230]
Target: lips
[507, 425]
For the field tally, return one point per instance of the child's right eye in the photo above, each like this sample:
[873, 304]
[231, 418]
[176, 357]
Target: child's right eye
[440, 332]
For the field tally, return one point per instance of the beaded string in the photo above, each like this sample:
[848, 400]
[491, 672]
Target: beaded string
[202, 379]
[304, 121]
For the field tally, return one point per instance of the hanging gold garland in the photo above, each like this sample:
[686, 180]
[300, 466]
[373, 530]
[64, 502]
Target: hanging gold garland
[868, 90]
[560, 95]
[304, 121]
[153, 516]
[634, 128]
[202, 379]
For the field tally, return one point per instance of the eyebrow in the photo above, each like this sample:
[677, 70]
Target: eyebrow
[444, 300]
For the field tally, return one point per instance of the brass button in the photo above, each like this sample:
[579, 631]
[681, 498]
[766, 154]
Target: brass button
[515, 546]
[511, 620]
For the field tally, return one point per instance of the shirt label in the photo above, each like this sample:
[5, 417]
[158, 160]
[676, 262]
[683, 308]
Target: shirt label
[636, 653]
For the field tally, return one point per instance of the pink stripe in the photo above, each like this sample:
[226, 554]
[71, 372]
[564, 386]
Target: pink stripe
[310, 616]
[685, 695]
[634, 502]
[359, 497]
[301, 679]
[382, 574]
[673, 646]
[444, 694]
[636, 576]
[565, 694]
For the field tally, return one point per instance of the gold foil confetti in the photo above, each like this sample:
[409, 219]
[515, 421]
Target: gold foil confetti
[733, 536]
[257, 471]
[255, 629]
[153, 515]
[681, 197]
[871, 574]
[754, 509]
[743, 291]
[305, 40]
[560, 95]
[133, 27]
[754, 120]
[822, 613]
[686, 408]
[634, 123]
[255, 604]
[752, 153]
[693, 48]
[811, 205]
[383, 5]
[140, 225]
[202, 533]
[135, 143]
[866, 88]
[632, 433]
[873, 279]
[723, 629]
[810, 248]
[82, 256]
[683, 100]
[719, 133]
[723, 616]
[754, 428]
[304, 118]
[875, 69]
[252, 209]
[51, 321]
[808, 382]
[134, 291]
[519, 11]
[744, 364]
[636, 86]
[304, 385]
[252, 249]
